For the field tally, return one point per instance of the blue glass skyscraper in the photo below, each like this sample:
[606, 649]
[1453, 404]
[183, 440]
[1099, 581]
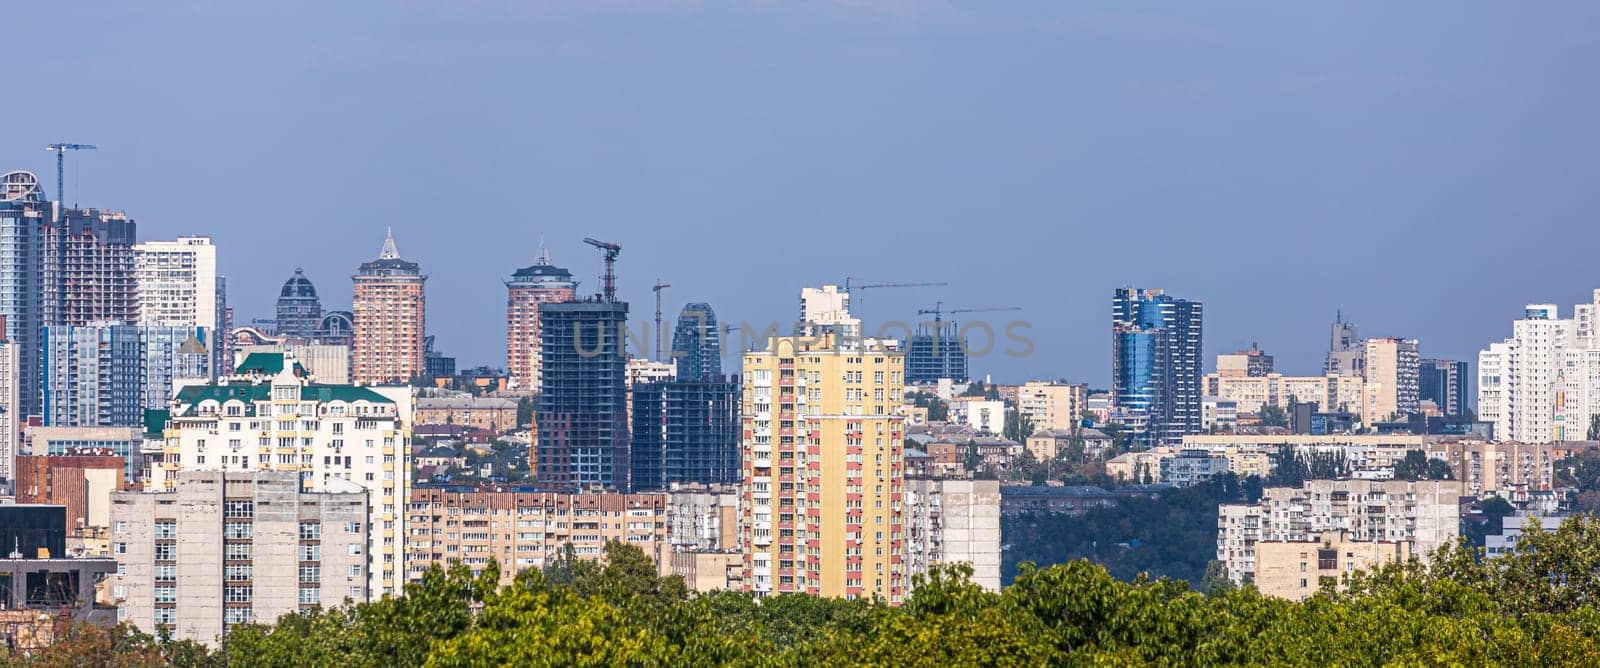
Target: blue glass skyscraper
[1156, 363]
[24, 212]
[686, 430]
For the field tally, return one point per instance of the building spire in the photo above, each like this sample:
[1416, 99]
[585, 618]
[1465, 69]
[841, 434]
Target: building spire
[544, 253]
[389, 252]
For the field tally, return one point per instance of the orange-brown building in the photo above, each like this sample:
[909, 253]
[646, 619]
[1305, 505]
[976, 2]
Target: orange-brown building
[491, 413]
[529, 287]
[523, 530]
[83, 483]
[389, 320]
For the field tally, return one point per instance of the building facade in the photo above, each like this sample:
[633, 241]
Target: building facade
[523, 529]
[491, 413]
[390, 320]
[1523, 381]
[1424, 515]
[1155, 361]
[1444, 382]
[89, 270]
[685, 432]
[1392, 370]
[299, 309]
[1250, 362]
[24, 212]
[935, 352]
[11, 414]
[697, 343]
[823, 468]
[81, 482]
[1052, 405]
[583, 403]
[541, 283]
[250, 546]
[179, 287]
[1298, 569]
[107, 375]
[268, 416]
[952, 521]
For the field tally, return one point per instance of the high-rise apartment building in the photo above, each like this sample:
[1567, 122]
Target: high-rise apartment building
[524, 529]
[824, 468]
[827, 309]
[1444, 382]
[1392, 368]
[24, 212]
[299, 309]
[179, 287]
[107, 375]
[540, 283]
[583, 399]
[390, 320]
[224, 548]
[10, 404]
[936, 352]
[1345, 352]
[89, 270]
[1155, 362]
[685, 432]
[953, 521]
[697, 343]
[1543, 383]
[269, 416]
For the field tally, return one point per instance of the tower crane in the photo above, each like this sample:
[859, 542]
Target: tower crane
[611, 250]
[658, 287]
[60, 149]
[938, 310]
[850, 284]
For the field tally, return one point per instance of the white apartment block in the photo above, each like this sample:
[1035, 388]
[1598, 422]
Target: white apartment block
[1051, 405]
[250, 546]
[1543, 383]
[178, 286]
[1424, 515]
[986, 415]
[951, 521]
[269, 417]
[10, 406]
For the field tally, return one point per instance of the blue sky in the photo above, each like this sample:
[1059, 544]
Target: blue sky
[1427, 167]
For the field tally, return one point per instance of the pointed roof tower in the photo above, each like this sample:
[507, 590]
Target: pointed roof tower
[389, 251]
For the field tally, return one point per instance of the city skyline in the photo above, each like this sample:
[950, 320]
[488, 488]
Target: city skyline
[1394, 144]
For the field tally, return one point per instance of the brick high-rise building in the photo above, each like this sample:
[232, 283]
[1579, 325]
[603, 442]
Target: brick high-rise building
[823, 468]
[541, 283]
[390, 320]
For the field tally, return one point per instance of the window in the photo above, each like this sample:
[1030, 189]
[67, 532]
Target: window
[310, 596]
[237, 573]
[166, 573]
[355, 549]
[355, 570]
[238, 530]
[1327, 560]
[353, 527]
[236, 594]
[235, 615]
[167, 594]
[310, 573]
[239, 509]
[166, 615]
[231, 551]
[119, 527]
[120, 548]
[166, 552]
[310, 531]
[311, 553]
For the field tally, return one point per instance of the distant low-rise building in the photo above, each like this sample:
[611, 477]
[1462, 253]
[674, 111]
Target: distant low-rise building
[1297, 569]
[984, 415]
[1191, 467]
[83, 483]
[523, 529]
[1498, 468]
[1057, 406]
[491, 413]
[1424, 515]
[1062, 500]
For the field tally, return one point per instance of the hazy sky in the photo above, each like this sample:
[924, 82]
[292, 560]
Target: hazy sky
[1427, 167]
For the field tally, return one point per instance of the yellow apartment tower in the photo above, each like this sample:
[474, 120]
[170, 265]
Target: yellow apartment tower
[823, 468]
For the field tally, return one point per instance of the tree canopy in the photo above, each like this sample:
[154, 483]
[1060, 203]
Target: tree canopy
[1536, 606]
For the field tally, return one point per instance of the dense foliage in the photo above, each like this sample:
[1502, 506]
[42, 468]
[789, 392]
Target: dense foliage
[1173, 536]
[1534, 607]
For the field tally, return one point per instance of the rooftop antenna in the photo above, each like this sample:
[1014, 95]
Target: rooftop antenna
[658, 287]
[544, 253]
